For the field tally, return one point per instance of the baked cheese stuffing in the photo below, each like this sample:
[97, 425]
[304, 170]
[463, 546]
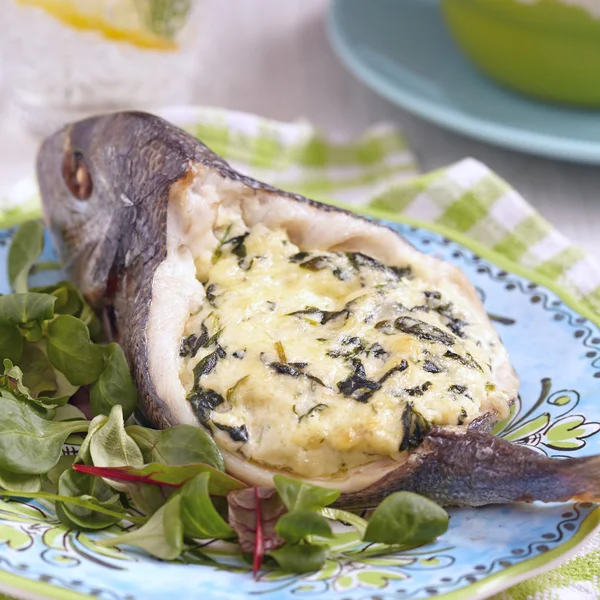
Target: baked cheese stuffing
[316, 362]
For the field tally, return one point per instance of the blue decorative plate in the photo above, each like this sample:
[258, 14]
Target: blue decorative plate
[557, 355]
[402, 50]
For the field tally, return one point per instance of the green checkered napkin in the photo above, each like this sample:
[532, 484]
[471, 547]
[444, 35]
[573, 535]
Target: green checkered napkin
[377, 174]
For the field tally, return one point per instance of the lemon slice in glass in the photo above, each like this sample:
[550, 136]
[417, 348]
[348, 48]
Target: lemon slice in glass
[150, 24]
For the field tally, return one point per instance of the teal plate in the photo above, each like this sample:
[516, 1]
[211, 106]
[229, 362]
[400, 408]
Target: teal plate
[402, 50]
[556, 352]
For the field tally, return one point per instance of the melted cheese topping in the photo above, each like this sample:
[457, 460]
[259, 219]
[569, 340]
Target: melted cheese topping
[317, 362]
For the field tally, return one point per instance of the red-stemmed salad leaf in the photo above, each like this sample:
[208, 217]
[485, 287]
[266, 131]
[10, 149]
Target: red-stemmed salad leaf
[167, 475]
[253, 515]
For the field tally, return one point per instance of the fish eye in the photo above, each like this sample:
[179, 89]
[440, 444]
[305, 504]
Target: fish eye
[76, 175]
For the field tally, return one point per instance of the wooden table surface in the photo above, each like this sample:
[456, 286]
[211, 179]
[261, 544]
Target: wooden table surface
[273, 58]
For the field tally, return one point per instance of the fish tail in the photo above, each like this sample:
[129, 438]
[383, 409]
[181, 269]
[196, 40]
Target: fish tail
[584, 476]
[477, 468]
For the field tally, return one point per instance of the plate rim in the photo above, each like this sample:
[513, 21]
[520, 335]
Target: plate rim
[548, 146]
[530, 568]
[18, 587]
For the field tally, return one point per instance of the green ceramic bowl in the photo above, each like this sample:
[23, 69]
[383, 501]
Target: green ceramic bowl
[544, 48]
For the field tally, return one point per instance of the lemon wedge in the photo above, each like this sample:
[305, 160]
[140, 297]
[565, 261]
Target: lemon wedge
[118, 20]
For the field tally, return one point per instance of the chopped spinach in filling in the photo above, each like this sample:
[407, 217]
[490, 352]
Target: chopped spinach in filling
[317, 361]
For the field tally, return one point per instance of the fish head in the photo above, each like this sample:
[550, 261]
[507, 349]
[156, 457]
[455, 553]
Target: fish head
[94, 176]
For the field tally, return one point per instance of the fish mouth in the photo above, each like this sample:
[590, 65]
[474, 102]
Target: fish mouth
[262, 431]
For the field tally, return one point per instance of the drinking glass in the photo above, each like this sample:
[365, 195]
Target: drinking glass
[65, 59]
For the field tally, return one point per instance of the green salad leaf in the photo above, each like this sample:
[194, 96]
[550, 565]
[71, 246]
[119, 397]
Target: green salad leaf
[64, 387]
[84, 455]
[406, 518]
[19, 482]
[300, 558]
[148, 498]
[70, 301]
[12, 381]
[68, 412]
[26, 309]
[112, 446]
[299, 524]
[298, 494]
[114, 386]
[89, 318]
[65, 462]
[38, 374]
[71, 350]
[74, 484]
[11, 342]
[26, 247]
[178, 445]
[30, 444]
[161, 536]
[198, 514]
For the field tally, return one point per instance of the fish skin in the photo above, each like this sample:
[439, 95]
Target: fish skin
[112, 243]
[475, 468]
